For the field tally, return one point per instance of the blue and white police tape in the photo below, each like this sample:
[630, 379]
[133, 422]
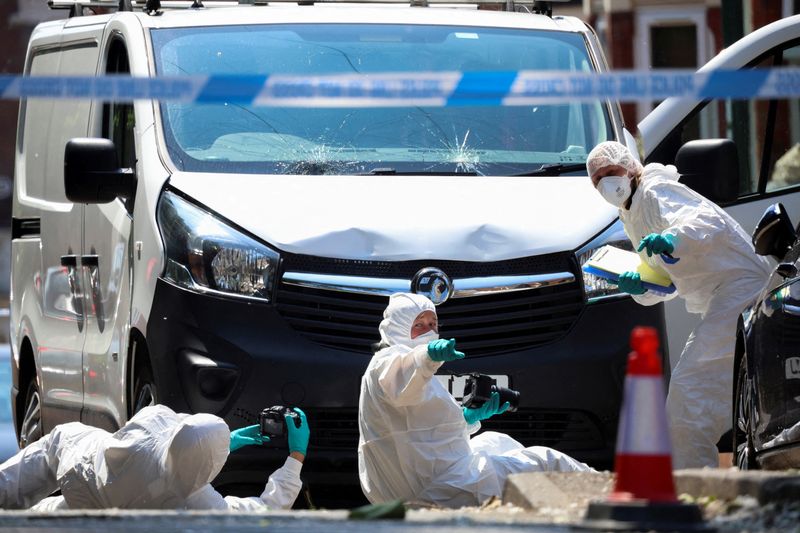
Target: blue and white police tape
[415, 88]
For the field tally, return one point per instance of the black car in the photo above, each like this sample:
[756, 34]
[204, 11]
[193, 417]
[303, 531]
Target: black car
[766, 396]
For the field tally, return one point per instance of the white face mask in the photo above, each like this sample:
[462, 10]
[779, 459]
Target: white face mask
[425, 338]
[615, 189]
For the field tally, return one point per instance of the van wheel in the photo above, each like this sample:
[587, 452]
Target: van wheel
[30, 430]
[144, 390]
[743, 411]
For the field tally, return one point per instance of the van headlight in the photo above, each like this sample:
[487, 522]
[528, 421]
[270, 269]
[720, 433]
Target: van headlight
[206, 255]
[598, 288]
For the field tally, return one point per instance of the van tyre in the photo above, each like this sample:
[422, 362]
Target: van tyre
[30, 429]
[144, 390]
[743, 420]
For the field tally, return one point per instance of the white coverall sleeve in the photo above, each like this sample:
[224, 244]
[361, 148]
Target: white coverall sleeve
[652, 297]
[687, 216]
[280, 493]
[50, 504]
[402, 376]
[692, 219]
[31, 474]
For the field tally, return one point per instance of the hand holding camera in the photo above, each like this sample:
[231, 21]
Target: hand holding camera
[487, 410]
[298, 431]
[247, 436]
[480, 389]
[279, 423]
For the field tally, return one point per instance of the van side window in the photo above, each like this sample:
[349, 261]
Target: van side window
[118, 117]
[766, 132]
[35, 114]
[52, 122]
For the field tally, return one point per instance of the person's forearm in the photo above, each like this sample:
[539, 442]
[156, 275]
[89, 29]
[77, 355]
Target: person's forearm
[297, 456]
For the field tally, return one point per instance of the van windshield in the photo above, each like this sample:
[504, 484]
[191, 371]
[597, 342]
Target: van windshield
[483, 140]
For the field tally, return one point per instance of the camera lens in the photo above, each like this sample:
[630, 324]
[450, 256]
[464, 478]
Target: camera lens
[508, 395]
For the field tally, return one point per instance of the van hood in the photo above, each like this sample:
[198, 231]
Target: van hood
[395, 218]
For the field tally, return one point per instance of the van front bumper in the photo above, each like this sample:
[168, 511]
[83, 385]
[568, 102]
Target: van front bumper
[234, 358]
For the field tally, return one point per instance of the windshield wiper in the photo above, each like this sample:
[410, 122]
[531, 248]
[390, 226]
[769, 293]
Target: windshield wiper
[393, 172]
[554, 169]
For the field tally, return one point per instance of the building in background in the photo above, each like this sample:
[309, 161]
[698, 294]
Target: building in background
[653, 34]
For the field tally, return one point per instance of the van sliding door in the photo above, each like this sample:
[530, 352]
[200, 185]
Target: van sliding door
[61, 328]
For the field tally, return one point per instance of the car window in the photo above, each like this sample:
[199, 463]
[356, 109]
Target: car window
[58, 120]
[766, 132]
[490, 139]
[784, 158]
[118, 117]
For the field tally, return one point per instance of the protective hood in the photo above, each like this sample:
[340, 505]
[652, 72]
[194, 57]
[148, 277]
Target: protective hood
[399, 316]
[196, 453]
[396, 218]
[155, 461]
[612, 153]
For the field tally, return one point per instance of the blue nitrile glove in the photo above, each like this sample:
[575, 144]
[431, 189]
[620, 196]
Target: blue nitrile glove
[489, 408]
[631, 282]
[655, 244]
[249, 436]
[298, 436]
[444, 350]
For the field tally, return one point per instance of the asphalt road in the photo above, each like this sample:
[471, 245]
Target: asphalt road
[293, 522]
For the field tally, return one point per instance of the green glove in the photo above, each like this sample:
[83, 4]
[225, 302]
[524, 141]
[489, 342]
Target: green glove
[489, 408]
[656, 243]
[298, 436]
[248, 436]
[631, 282]
[391, 510]
[444, 350]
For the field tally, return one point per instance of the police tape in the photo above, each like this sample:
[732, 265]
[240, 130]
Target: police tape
[417, 89]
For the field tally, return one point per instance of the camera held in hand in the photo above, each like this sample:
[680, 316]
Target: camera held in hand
[273, 423]
[479, 388]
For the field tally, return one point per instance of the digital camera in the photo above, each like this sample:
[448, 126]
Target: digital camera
[273, 423]
[479, 388]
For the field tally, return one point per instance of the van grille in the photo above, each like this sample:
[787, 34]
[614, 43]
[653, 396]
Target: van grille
[483, 325]
[565, 430]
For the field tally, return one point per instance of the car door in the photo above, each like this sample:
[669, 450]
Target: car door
[767, 135]
[106, 264]
[775, 354]
[61, 329]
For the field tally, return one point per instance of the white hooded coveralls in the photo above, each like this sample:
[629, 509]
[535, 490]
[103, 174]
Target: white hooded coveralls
[159, 460]
[718, 274]
[414, 442]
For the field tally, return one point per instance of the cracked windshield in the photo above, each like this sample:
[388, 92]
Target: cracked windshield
[479, 140]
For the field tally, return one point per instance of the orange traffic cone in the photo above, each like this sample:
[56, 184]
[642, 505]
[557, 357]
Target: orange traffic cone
[644, 494]
[643, 462]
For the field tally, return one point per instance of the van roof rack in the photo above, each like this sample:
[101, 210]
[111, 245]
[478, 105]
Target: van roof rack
[154, 7]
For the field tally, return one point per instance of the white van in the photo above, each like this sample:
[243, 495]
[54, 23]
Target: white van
[226, 258]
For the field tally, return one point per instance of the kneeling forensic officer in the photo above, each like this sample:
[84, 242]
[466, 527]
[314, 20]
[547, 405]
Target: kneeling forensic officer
[158, 460]
[415, 438]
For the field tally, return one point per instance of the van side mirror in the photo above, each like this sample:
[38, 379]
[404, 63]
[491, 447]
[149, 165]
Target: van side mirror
[92, 174]
[774, 234]
[710, 167]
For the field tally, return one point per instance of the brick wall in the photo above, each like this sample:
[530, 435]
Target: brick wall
[14, 40]
[619, 39]
[764, 11]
